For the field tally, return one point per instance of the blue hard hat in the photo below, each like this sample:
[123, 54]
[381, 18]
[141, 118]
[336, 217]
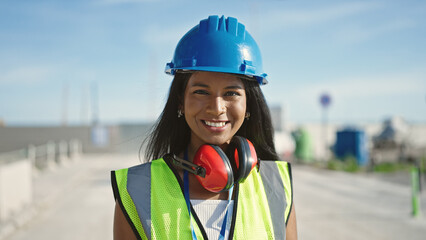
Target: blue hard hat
[218, 45]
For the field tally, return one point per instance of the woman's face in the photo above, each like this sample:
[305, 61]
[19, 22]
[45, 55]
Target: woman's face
[214, 107]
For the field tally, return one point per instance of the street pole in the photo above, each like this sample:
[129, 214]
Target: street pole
[324, 132]
[415, 189]
[325, 101]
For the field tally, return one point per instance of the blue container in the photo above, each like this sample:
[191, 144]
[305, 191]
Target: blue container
[352, 142]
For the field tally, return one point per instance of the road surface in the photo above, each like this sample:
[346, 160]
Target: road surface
[338, 205]
[75, 201]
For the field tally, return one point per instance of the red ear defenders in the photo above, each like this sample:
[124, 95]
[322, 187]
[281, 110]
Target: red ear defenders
[218, 171]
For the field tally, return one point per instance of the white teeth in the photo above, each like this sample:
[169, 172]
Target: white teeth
[215, 124]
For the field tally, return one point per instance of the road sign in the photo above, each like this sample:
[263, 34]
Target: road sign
[325, 100]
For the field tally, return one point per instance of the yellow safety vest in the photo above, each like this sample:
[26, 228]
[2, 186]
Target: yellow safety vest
[151, 197]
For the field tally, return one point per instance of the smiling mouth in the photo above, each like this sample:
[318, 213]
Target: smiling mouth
[215, 124]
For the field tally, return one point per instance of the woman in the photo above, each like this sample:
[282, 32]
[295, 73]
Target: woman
[214, 103]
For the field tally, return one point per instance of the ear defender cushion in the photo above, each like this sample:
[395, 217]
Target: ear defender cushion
[219, 176]
[243, 157]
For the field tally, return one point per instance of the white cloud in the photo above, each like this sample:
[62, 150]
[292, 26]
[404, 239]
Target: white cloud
[359, 98]
[117, 2]
[26, 75]
[295, 18]
[159, 35]
[351, 33]
[357, 34]
[369, 86]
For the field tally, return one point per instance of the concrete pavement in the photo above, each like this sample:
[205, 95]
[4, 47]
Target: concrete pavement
[338, 205]
[75, 201]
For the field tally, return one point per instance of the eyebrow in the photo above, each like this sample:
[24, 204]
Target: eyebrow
[234, 87]
[207, 86]
[199, 85]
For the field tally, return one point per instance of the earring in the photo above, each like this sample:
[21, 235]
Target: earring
[247, 116]
[179, 113]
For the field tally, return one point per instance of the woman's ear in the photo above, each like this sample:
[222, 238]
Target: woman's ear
[180, 111]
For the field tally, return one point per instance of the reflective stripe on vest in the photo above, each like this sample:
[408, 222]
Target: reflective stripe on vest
[262, 203]
[119, 184]
[154, 204]
[274, 189]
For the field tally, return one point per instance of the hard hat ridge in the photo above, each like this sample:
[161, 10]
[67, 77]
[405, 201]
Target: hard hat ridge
[218, 44]
[222, 25]
[229, 25]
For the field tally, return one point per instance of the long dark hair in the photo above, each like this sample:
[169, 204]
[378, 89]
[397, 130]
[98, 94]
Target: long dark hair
[171, 134]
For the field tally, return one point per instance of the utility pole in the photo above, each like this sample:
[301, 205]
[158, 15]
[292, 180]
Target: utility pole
[65, 104]
[84, 105]
[95, 104]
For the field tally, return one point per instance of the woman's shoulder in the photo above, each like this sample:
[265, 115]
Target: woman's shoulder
[279, 162]
[280, 167]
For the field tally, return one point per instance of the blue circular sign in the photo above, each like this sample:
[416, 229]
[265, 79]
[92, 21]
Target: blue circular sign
[325, 100]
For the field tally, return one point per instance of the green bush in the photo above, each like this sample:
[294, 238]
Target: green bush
[347, 164]
[391, 167]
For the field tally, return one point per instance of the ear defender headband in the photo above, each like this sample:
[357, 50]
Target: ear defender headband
[217, 171]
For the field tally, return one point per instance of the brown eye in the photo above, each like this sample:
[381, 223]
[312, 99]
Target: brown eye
[201, 92]
[232, 93]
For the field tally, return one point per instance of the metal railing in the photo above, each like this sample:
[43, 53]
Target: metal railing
[18, 169]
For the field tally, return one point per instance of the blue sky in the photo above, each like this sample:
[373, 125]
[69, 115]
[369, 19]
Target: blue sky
[370, 56]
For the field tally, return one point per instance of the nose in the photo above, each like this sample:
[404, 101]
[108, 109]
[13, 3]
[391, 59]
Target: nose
[217, 106]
